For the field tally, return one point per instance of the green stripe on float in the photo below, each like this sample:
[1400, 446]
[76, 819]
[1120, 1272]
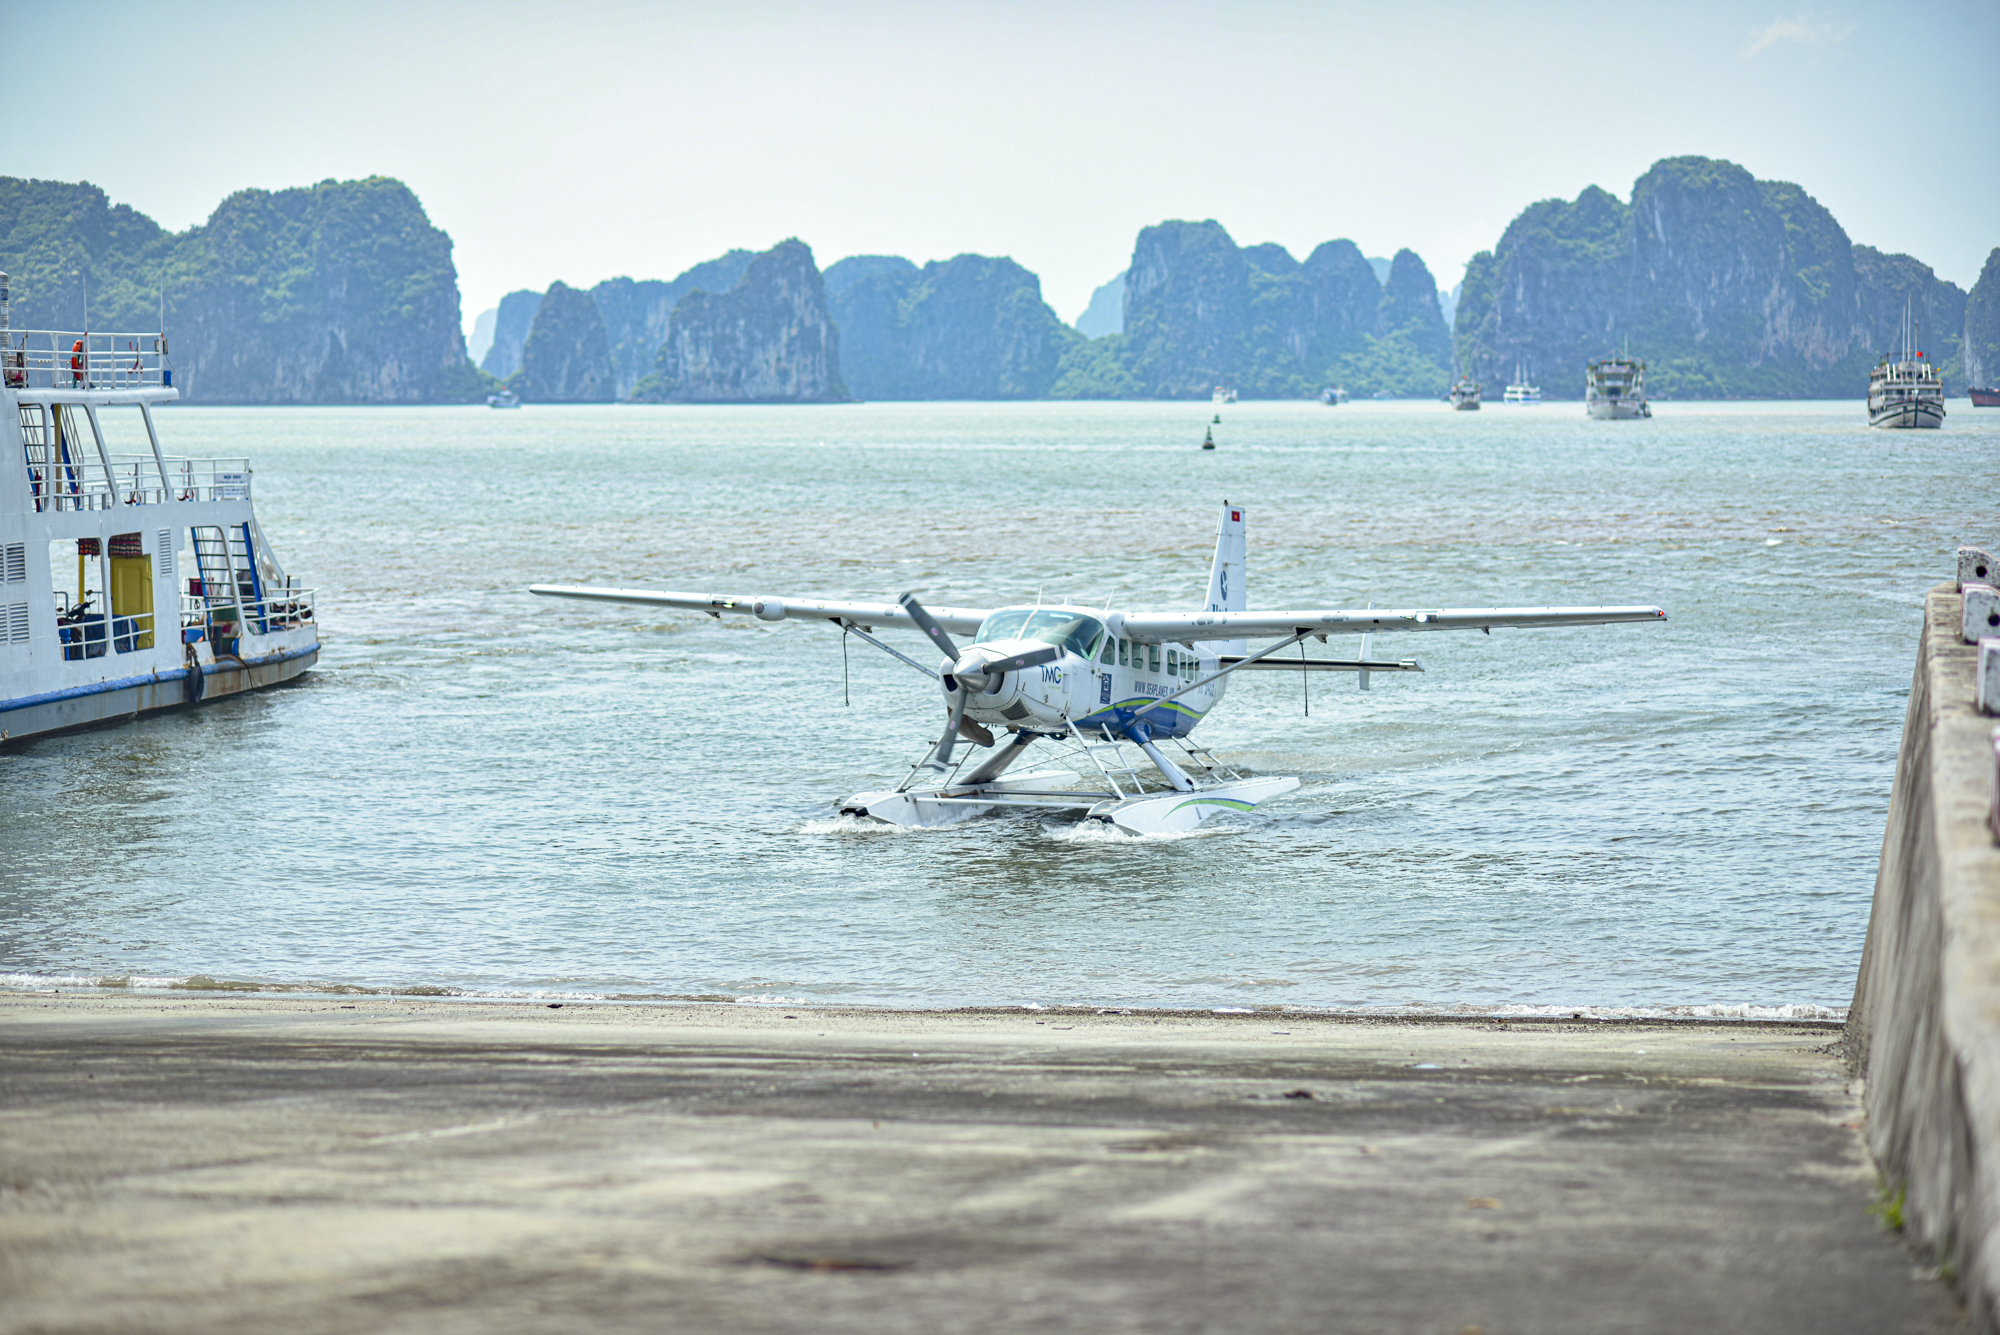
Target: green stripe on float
[1230, 802]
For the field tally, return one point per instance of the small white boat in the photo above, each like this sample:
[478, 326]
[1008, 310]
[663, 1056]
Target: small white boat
[506, 398]
[1906, 391]
[1333, 397]
[1223, 394]
[1519, 390]
[120, 632]
[1464, 395]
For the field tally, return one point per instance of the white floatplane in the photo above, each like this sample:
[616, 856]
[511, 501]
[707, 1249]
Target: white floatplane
[1111, 689]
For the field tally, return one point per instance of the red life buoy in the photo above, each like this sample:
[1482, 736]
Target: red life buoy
[76, 361]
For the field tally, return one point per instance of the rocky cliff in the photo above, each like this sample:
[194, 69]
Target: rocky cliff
[340, 292]
[769, 339]
[515, 316]
[1982, 327]
[1725, 285]
[843, 274]
[972, 327]
[1201, 311]
[567, 355]
[636, 314]
[1106, 312]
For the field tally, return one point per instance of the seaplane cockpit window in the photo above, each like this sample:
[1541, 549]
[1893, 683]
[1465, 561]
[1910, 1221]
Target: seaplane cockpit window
[1073, 631]
[1005, 625]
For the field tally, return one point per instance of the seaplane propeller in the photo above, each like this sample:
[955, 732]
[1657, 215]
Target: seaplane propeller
[972, 672]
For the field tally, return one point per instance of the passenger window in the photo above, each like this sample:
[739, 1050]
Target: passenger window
[1152, 658]
[1123, 654]
[1173, 664]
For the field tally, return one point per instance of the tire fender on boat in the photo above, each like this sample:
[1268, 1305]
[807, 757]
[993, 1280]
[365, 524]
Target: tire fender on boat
[195, 682]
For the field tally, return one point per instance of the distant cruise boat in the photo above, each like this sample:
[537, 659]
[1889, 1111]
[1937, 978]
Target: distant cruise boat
[1223, 394]
[506, 398]
[1908, 392]
[1464, 395]
[1333, 397]
[1614, 389]
[1520, 391]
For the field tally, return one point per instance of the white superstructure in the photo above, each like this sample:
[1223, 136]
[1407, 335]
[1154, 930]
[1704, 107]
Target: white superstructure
[1614, 389]
[1519, 390]
[130, 579]
[1906, 391]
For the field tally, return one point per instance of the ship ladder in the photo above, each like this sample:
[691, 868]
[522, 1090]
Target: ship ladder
[244, 558]
[218, 577]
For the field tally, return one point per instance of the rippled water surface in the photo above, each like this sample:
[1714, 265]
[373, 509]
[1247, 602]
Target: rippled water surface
[483, 791]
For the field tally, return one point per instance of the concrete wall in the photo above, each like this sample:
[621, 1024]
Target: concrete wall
[1924, 1032]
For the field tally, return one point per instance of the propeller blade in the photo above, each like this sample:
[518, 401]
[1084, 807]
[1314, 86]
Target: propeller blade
[928, 625]
[950, 738]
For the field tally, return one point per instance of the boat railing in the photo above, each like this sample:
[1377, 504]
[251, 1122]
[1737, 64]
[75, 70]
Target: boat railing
[85, 630]
[76, 359]
[215, 616]
[81, 482]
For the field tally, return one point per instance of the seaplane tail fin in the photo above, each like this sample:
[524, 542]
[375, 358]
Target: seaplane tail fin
[1226, 576]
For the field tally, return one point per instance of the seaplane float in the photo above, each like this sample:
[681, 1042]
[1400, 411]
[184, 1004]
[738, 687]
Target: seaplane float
[1117, 693]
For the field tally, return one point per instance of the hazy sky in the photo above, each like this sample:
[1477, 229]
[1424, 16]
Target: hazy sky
[581, 141]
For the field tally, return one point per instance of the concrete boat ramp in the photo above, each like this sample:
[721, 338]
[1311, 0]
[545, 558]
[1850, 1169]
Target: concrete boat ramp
[387, 1165]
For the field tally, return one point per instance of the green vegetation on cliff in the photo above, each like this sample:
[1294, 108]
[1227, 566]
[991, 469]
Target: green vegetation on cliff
[1201, 312]
[769, 339]
[972, 327]
[567, 355]
[340, 292]
[1726, 286]
[1982, 327]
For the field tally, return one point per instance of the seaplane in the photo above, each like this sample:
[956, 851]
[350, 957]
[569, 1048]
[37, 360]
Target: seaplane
[1117, 693]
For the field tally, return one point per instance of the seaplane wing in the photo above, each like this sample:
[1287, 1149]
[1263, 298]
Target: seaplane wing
[867, 616]
[1162, 627]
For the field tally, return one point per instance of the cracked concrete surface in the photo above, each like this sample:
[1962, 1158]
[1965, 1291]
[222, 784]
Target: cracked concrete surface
[389, 1165]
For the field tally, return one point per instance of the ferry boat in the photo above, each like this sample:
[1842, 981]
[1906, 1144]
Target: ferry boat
[1464, 395]
[1333, 396]
[506, 398]
[1519, 390]
[1984, 398]
[1614, 389]
[1223, 394]
[97, 623]
[1907, 391]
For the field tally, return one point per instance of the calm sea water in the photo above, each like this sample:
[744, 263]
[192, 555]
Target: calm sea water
[485, 792]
